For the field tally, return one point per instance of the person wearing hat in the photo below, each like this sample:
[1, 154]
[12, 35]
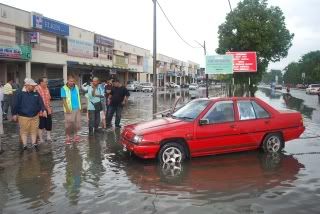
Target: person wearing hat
[28, 106]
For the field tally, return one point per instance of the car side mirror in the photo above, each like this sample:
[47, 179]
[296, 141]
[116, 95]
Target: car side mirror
[203, 122]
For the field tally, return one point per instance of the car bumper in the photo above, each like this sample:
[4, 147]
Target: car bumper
[293, 133]
[142, 151]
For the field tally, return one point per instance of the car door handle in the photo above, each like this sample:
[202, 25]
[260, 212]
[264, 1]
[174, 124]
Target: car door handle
[267, 122]
[232, 126]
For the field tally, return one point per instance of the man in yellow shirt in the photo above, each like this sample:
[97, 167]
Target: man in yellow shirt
[7, 98]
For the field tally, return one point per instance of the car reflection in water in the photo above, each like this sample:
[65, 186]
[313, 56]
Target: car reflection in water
[248, 173]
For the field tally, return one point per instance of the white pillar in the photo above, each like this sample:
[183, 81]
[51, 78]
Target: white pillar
[28, 69]
[65, 73]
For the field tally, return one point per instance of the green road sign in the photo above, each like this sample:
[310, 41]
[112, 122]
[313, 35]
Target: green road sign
[219, 64]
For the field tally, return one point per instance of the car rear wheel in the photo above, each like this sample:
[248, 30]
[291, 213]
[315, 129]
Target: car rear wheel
[172, 153]
[272, 143]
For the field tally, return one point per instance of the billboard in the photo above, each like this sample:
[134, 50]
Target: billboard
[244, 61]
[219, 64]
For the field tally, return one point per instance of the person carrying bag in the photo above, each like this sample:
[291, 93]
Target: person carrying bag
[95, 96]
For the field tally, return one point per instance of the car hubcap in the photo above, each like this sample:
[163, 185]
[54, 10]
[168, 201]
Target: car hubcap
[172, 155]
[273, 144]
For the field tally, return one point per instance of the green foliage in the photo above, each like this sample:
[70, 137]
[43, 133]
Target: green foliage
[253, 26]
[270, 77]
[308, 64]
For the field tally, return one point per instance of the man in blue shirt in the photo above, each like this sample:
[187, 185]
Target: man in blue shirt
[72, 109]
[95, 105]
[28, 105]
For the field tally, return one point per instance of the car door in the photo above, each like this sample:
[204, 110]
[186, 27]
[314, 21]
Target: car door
[253, 123]
[219, 135]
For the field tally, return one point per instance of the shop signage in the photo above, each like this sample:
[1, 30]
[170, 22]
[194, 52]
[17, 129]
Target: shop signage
[103, 40]
[50, 25]
[120, 61]
[16, 52]
[244, 61]
[80, 48]
[34, 37]
[219, 64]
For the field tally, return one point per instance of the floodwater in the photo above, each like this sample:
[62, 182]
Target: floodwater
[96, 176]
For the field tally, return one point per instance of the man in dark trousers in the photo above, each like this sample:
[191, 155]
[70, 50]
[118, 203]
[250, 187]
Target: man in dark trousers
[118, 97]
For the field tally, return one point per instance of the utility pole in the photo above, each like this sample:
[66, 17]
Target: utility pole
[207, 76]
[155, 79]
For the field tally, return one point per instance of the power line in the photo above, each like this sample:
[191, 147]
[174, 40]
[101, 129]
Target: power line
[165, 15]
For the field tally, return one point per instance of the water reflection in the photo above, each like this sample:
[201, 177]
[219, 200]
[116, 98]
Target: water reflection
[73, 174]
[248, 173]
[34, 175]
[94, 160]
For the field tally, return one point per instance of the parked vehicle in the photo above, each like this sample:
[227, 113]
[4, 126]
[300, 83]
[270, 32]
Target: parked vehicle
[132, 85]
[301, 86]
[213, 126]
[193, 86]
[172, 85]
[278, 87]
[185, 85]
[145, 87]
[313, 89]
[54, 86]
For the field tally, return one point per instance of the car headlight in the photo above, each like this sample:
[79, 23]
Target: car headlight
[137, 139]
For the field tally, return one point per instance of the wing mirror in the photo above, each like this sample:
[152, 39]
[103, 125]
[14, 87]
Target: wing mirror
[203, 122]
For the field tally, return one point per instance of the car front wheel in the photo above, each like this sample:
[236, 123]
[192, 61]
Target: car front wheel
[172, 153]
[272, 143]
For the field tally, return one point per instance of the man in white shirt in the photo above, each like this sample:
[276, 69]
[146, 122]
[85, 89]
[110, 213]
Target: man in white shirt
[7, 98]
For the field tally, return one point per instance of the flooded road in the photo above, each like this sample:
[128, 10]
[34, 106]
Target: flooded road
[95, 176]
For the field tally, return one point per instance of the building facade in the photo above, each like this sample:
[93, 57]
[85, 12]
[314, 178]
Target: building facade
[33, 45]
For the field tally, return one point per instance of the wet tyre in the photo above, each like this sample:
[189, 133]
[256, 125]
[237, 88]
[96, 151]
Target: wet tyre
[272, 143]
[172, 153]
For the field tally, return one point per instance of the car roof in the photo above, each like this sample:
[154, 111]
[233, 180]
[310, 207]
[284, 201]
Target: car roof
[231, 98]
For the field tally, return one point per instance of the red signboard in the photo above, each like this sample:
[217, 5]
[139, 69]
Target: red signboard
[244, 61]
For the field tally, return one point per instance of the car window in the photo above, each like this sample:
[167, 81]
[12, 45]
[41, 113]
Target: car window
[221, 112]
[246, 110]
[260, 112]
[191, 110]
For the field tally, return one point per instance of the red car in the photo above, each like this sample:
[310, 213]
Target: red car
[213, 126]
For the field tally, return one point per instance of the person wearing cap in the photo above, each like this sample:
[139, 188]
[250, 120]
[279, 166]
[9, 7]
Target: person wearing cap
[118, 97]
[28, 106]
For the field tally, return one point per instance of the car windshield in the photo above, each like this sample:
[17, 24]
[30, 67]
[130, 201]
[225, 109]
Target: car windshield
[191, 110]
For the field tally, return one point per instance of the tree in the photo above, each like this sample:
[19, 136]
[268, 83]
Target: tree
[308, 64]
[253, 26]
[272, 76]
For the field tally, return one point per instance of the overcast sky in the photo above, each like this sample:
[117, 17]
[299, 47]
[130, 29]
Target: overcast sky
[131, 21]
